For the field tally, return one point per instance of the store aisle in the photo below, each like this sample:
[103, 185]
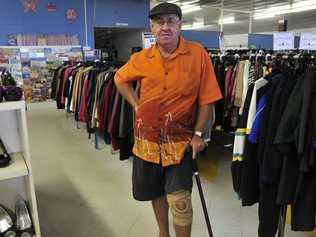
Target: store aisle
[83, 192]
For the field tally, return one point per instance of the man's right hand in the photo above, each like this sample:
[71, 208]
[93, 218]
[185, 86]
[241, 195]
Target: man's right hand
[198, 145]
[127, 91]
[136, 108]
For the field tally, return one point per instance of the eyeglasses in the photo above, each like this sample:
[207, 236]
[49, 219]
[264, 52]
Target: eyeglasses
[170, 22]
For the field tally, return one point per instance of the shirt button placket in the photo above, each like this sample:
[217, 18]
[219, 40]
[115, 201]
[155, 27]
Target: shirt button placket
[166, 76]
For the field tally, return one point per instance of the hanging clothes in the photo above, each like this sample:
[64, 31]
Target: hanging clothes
[274, 153]
[88, 92]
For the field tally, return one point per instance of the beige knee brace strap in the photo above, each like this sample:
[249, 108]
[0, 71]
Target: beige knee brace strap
[181, 207]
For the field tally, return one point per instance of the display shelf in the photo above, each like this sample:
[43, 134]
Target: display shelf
[17, 179]
[17, 168]
[12, 105]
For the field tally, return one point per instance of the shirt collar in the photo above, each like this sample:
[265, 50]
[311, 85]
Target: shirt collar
[182, 49]
[183, 46]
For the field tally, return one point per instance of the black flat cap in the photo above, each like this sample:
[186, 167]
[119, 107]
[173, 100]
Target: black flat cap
[165, 8]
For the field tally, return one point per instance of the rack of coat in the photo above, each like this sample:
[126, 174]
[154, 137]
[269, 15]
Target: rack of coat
[233, 71]
[87, 90]
[274, 160]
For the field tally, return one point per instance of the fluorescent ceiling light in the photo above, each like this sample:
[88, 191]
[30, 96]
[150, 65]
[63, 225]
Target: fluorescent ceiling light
[191, 27]
[183, 3]
[285, 9]
[190, 8]
[186, 27]
[185, 7]
[307, 3]
[227, 20]
[262, 16]
[195, 25]
[198, 24]
[189, 2]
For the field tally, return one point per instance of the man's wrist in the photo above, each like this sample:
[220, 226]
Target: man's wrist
[198, 133]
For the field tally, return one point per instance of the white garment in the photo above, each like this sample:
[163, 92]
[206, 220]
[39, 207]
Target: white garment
[241, 133]
[69, 89]
[253, 103]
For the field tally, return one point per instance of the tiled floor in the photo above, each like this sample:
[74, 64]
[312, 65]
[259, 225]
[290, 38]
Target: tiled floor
[83, 192]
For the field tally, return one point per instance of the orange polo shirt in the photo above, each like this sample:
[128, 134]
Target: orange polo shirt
[170, 93]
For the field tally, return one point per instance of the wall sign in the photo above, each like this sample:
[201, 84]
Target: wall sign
[121, 24]
[71, 14]
[12, 40]
[308, 41]
[29, 5]
[51, 7]
[88, 55]
[148, 40]
[283, 41]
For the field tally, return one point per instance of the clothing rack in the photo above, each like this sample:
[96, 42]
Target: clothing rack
[261, 61]
[86, 90]
[262, 167]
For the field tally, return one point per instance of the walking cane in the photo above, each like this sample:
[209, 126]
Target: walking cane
[198, 181]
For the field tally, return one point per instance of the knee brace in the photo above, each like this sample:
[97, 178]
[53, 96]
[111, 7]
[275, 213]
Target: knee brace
[180, 205]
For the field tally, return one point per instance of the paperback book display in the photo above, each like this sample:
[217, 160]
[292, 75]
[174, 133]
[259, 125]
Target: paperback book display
[33, 67]
[11, 60]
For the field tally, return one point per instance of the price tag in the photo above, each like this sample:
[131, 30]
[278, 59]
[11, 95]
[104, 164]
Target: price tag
[283, 41]
[88, 55]
[148, 40]
[308, 41]
[64, 59]
[86, 48]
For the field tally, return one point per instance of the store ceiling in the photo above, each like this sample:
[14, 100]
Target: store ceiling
[301, 14]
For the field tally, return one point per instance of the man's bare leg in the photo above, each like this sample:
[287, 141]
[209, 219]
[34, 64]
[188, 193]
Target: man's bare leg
[161, 208]
[182, 231]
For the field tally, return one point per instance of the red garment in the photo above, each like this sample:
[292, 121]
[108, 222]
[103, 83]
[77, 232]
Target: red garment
[65, 78]
[83, 104]
[105, 105]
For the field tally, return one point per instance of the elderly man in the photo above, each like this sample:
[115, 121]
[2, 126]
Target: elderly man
[173, 108]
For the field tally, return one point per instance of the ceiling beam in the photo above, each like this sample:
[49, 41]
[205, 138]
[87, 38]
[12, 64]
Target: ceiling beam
[205, 3]
[228, 9]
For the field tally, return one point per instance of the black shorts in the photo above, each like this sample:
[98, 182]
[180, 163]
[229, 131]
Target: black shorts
[151, 180]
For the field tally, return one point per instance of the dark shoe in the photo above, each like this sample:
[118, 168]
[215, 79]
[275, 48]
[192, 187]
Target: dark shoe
[4, 157]
[5, 220]
[12, 93]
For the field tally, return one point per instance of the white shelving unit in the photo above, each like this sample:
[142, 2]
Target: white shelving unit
[17, 179]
